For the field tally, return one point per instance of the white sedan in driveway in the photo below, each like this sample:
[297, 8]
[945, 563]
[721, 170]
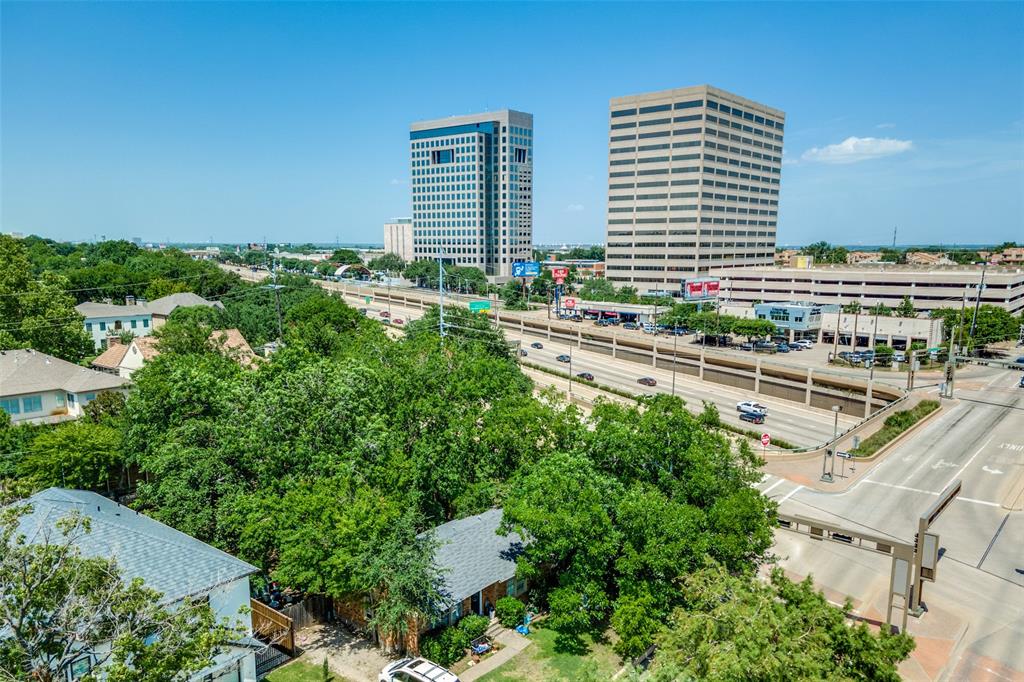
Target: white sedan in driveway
[752, 407]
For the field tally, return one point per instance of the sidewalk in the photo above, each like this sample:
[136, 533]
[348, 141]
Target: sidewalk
[511, 643]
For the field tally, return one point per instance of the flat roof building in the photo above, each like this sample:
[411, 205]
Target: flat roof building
[928, 287]
[693, 184]
[472, 190]
[398, 238]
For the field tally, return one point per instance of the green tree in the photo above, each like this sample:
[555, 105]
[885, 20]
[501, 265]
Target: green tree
[55, 603]
[389, 262]
[346, 257]
[752, 328]
[905, 308]
[38, 312]
[853, 308]
[881, 310]
[598, 289]
[512, 297]
[75, 455]
[739, 628]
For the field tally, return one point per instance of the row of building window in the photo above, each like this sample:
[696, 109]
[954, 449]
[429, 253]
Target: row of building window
[123, 325]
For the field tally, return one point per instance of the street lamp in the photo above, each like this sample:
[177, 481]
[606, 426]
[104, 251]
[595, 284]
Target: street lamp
[675, 338]
[828, 476]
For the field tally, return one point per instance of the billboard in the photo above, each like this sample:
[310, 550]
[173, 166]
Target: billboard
[704, 287]
[559, 274]
[526, 269]
[569, 303]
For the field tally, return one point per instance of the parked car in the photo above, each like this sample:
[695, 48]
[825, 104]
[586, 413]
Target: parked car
[782, 348]
[397, 320]
[586, 375]
[630, 325]
[385, 313]
[647, 381]
[899, 356]
[416, 670]
[806, 344]
[537, 344]
[563, 358]
[751, 406]
[677, 331]
[765, 346]
[649, 329]
[793, 346]
[752, 417]
[746, 346]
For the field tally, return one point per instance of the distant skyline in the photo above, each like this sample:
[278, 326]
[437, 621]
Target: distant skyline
[234, 121]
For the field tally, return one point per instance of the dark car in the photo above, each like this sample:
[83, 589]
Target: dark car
[1021, 384]
[362, 310]
[398, 320]
[537, 344]
[678, 331]
[752, 417]
[385, 313]
[523, 353]
[782, 348]
[631, 325]
[563, 358]
[746, 346]
[647, 381]
[586, 375]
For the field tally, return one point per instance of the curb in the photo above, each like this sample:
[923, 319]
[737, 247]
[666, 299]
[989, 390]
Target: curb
[1014, 500]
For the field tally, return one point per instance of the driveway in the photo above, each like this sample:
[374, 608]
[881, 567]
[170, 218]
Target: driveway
[354, 658]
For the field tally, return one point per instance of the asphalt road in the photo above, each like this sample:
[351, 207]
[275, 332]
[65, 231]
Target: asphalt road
[979, 440]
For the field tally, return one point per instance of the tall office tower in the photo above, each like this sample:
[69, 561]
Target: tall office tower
[693, 184]
[472, 190]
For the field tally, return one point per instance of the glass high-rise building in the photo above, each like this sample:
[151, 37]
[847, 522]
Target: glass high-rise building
[472, 190]
[693, 184]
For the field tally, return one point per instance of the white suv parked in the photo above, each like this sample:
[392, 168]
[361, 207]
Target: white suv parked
[416, 670]
[803, 343]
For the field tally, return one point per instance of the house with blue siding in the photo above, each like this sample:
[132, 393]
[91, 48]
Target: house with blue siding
[106, 319]
[39, 388]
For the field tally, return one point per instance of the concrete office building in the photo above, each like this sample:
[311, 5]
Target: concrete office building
[929, 287]
[693, 184]
[472, 190]
[398, 238]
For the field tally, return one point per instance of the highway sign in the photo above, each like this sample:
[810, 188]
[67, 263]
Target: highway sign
[766, 439]
[526, 269]
[368, 299]
[479, 306]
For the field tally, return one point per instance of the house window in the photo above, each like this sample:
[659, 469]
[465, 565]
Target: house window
[145, 323]
[60, 399]
[103, 326]
[10, 406]
[71, 399]
[89, 397]
[33, 403]
[80, 668]
[88, 326]
[135, 323]
[514, 588]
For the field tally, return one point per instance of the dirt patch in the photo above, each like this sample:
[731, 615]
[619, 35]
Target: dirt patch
[355, 658]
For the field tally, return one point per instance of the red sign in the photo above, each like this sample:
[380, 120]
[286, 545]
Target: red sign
[766, 439]
[559, 272]
[569, 303]
[702, 288]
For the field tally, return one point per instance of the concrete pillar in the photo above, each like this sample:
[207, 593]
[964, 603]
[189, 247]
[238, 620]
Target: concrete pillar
[579, 338]
[701, 375]
[810, 385]
[867, 400]
[792, 334]
[757, 376]
[615, 346]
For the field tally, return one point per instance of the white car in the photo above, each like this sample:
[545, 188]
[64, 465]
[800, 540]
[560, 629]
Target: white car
[416, 670]
[751, 406]
[806, 344]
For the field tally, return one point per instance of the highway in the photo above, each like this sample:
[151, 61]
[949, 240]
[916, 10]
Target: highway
[980, 440]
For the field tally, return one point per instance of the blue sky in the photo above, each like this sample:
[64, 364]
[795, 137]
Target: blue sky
[290, 121]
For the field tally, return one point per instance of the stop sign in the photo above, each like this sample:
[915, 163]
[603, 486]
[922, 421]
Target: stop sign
[765, 439]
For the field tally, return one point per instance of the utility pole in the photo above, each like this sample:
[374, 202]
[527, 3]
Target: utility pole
[839, 319]
[874, 335]
[675, 339]
[894, 228]
[954, 348]
[977, 304]
[440, 292]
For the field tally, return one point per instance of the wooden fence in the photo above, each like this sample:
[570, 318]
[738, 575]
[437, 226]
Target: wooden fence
[273, 626]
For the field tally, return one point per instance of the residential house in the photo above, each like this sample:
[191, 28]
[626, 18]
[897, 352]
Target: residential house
[103, 320]
[123, 359]
[478, 567]
[163, 307]
[863, 257]
[1012, 256]
[174, 564]
[927, 258]
[785, 257]
[36, 387]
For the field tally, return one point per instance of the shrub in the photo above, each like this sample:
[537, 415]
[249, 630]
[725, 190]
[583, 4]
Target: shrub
[445, 647]
[474, 626]
[510, 611]
[895, 424]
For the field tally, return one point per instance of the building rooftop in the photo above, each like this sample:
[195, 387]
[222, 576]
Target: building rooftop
[93, 309]
[29, 371]
[473, 556]
[865, 268]
[168, 304]
[112, 356]
[169, 561]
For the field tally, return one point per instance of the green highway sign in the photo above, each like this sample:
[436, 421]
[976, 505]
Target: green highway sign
[368, 299]
[479, 306]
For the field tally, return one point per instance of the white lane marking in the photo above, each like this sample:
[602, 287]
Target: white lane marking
[791, 493]
[899, 487]
[990, 471]
[984, 502]
[778, 482]
[964, 468]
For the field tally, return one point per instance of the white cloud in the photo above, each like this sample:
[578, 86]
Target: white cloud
[854, 149]
[886, 125]
[396, 181]
[574, 208]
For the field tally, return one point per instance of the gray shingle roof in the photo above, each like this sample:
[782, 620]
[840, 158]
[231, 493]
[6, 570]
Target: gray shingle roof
[168, 304]
[167, 560]
[473, 556]
[29, 371]
[92, 309]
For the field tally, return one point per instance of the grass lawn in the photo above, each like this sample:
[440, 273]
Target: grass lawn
[542, 662]
[300, 671]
